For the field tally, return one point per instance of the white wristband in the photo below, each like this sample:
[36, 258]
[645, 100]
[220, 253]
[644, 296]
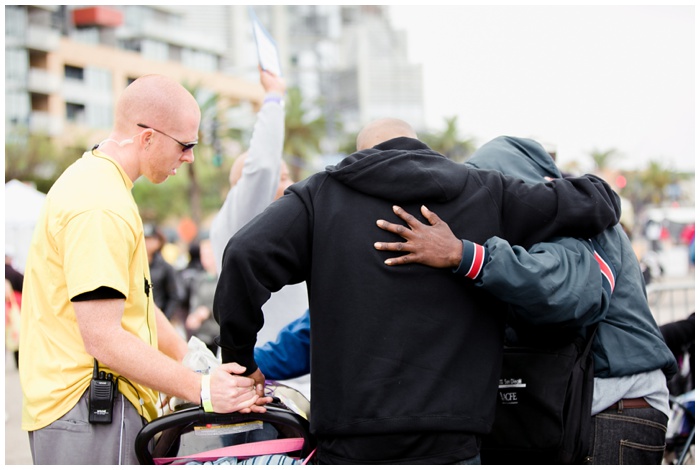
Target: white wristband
[205, 394]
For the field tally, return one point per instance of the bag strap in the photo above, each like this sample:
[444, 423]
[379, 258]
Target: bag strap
[589, 344]
[589, 341]
[308, 458]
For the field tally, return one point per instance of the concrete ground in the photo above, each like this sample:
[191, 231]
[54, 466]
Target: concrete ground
[16, 441]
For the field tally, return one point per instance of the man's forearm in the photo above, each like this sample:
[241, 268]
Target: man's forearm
[140, 363]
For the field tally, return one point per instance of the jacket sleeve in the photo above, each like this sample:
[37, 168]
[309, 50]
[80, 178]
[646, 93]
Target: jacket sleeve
[553, 283]
[289, 355]
[264, 256]
[579, 207]
[257, 186]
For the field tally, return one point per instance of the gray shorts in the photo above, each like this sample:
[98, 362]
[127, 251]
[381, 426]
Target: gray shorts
[72, 440]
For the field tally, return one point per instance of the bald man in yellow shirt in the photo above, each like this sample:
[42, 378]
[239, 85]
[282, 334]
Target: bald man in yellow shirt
[88, 298]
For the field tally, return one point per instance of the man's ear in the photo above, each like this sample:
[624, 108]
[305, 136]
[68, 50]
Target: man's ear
[145, 138]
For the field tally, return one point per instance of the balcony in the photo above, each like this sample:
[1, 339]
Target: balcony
[170, 34]
[42, 38]
[41, 81]
[101, 16]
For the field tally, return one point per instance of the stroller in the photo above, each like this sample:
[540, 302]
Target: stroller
[190, 435]
[680, 436]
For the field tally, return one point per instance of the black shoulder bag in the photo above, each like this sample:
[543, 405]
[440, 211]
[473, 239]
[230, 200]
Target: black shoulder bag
[543, 412]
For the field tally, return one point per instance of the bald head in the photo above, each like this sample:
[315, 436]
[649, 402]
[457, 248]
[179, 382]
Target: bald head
[152, 116]
[155, 100]
[382, 130]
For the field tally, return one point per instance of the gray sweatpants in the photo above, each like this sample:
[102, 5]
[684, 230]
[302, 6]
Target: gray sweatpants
[73, 440]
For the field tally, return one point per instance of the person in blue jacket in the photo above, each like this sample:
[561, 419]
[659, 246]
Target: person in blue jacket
[288, 356]
[564, 285]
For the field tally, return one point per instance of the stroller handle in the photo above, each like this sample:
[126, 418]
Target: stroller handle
[275, 414]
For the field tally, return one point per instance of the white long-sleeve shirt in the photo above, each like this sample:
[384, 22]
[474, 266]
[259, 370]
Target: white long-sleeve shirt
[253, 192]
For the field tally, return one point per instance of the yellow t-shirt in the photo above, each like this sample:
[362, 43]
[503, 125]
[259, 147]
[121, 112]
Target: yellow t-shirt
[89, 235]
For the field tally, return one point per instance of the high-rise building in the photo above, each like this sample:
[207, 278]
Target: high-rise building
[65, 65]
[347, 60]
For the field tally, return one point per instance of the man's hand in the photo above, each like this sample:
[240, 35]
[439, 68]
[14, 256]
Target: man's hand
[272, 83]
[432, 245]
[230, 392]
[259, 379]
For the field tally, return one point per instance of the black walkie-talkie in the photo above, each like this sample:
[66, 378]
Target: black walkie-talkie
[101, 398]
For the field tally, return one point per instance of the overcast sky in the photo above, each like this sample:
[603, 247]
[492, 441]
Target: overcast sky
[580, 78]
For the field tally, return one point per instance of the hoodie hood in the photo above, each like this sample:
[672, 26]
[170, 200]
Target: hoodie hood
[402, 170]
[516, 157]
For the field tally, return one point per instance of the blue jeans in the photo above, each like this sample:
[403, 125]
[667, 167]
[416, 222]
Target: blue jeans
[632, 436]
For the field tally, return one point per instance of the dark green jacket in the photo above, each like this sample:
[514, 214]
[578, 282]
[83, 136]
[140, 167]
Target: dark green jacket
[558, 284]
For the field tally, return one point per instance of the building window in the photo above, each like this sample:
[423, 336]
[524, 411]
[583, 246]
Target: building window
[75, 73]
[17, 107]
[131, 44]
[15, 22]
[174, 53]
[154, 50]
[75, 113]
[98, 79]
[16, 65]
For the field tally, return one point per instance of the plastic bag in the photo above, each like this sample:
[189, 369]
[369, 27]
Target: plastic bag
[199, 357]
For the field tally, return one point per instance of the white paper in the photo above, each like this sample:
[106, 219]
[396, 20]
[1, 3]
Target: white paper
[267, 49]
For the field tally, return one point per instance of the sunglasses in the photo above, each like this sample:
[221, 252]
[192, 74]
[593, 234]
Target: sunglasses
[185, 146]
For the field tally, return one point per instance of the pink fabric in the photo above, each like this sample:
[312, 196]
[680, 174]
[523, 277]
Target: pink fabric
[251, 449]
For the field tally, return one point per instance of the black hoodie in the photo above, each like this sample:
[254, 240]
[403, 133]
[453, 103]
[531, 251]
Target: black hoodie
[408, 350]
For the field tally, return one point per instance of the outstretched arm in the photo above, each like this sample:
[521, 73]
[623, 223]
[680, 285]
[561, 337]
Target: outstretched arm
[557, 282]
[257, 185]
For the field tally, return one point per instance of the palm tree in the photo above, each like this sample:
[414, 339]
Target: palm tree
[655, 179]
[37, 158]
[302, 136]
[208, 104]
[449, 143]
[602, 159]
